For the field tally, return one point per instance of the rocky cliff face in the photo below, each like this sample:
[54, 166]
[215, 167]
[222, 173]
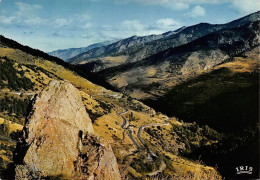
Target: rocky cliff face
[59, 141]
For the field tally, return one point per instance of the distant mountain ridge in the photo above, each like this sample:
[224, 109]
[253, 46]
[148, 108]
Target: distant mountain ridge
[120, 46]
[212, 81]
[66, 54]
[24, 72]
[155, 74]
[9, 43]
[96, 59]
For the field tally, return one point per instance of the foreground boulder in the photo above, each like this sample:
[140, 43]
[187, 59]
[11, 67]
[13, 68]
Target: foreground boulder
[59, 141]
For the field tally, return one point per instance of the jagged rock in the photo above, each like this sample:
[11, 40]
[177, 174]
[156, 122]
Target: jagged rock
[59, 141]
[96, 159]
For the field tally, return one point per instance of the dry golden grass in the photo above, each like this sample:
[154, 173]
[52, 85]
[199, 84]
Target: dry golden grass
[108, 61]
[90, 103]
[151, 71]
[109, 126]
[13, 126]
[241, 65]
[248, 62]
[119, 81]
[133, 173]
[17, 55]
[68, 75]
[115, 59]
[139, 94]
[58, 70]
[189, 170]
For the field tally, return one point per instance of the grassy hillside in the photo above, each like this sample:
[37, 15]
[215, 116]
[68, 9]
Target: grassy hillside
[153, 76]
[23, 75]
[227, 100]
[220, 98]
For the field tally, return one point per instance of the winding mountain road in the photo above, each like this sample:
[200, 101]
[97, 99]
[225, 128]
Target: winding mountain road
[161, 168]
[142, 141]
[153, 155]
[126, 126]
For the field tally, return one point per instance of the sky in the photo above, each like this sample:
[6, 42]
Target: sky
[59, 24]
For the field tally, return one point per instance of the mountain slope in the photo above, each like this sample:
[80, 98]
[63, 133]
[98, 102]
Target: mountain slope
[97, 62]
[156, 74]
[66, 54]
[226, 99]
[234, 82]
[119, 46]
[31, 72]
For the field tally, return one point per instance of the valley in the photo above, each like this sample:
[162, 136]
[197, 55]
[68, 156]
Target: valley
[102, 105]
[179, 105]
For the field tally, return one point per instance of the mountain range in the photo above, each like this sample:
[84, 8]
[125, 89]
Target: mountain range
[170, 60]
[119, 46]
[49, 110]
[66, 54]
[169, 106]
[137, 48]
[204, 73]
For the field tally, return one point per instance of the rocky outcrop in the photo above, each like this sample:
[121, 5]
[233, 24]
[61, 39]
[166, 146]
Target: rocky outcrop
[59, 141]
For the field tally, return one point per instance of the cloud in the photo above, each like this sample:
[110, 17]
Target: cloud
[132, 25]
[167, 24]
[197, 11]
[34, 21]
[125, 29]
[6, 20]
[245, 7]
[27, 9]
[25, 15]
[82, 17]
[29, 16]
[129, 28]
[173, 4]
[87, 25]
[27, 33]
[72, 22]
[61, 22]
[241, 6]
